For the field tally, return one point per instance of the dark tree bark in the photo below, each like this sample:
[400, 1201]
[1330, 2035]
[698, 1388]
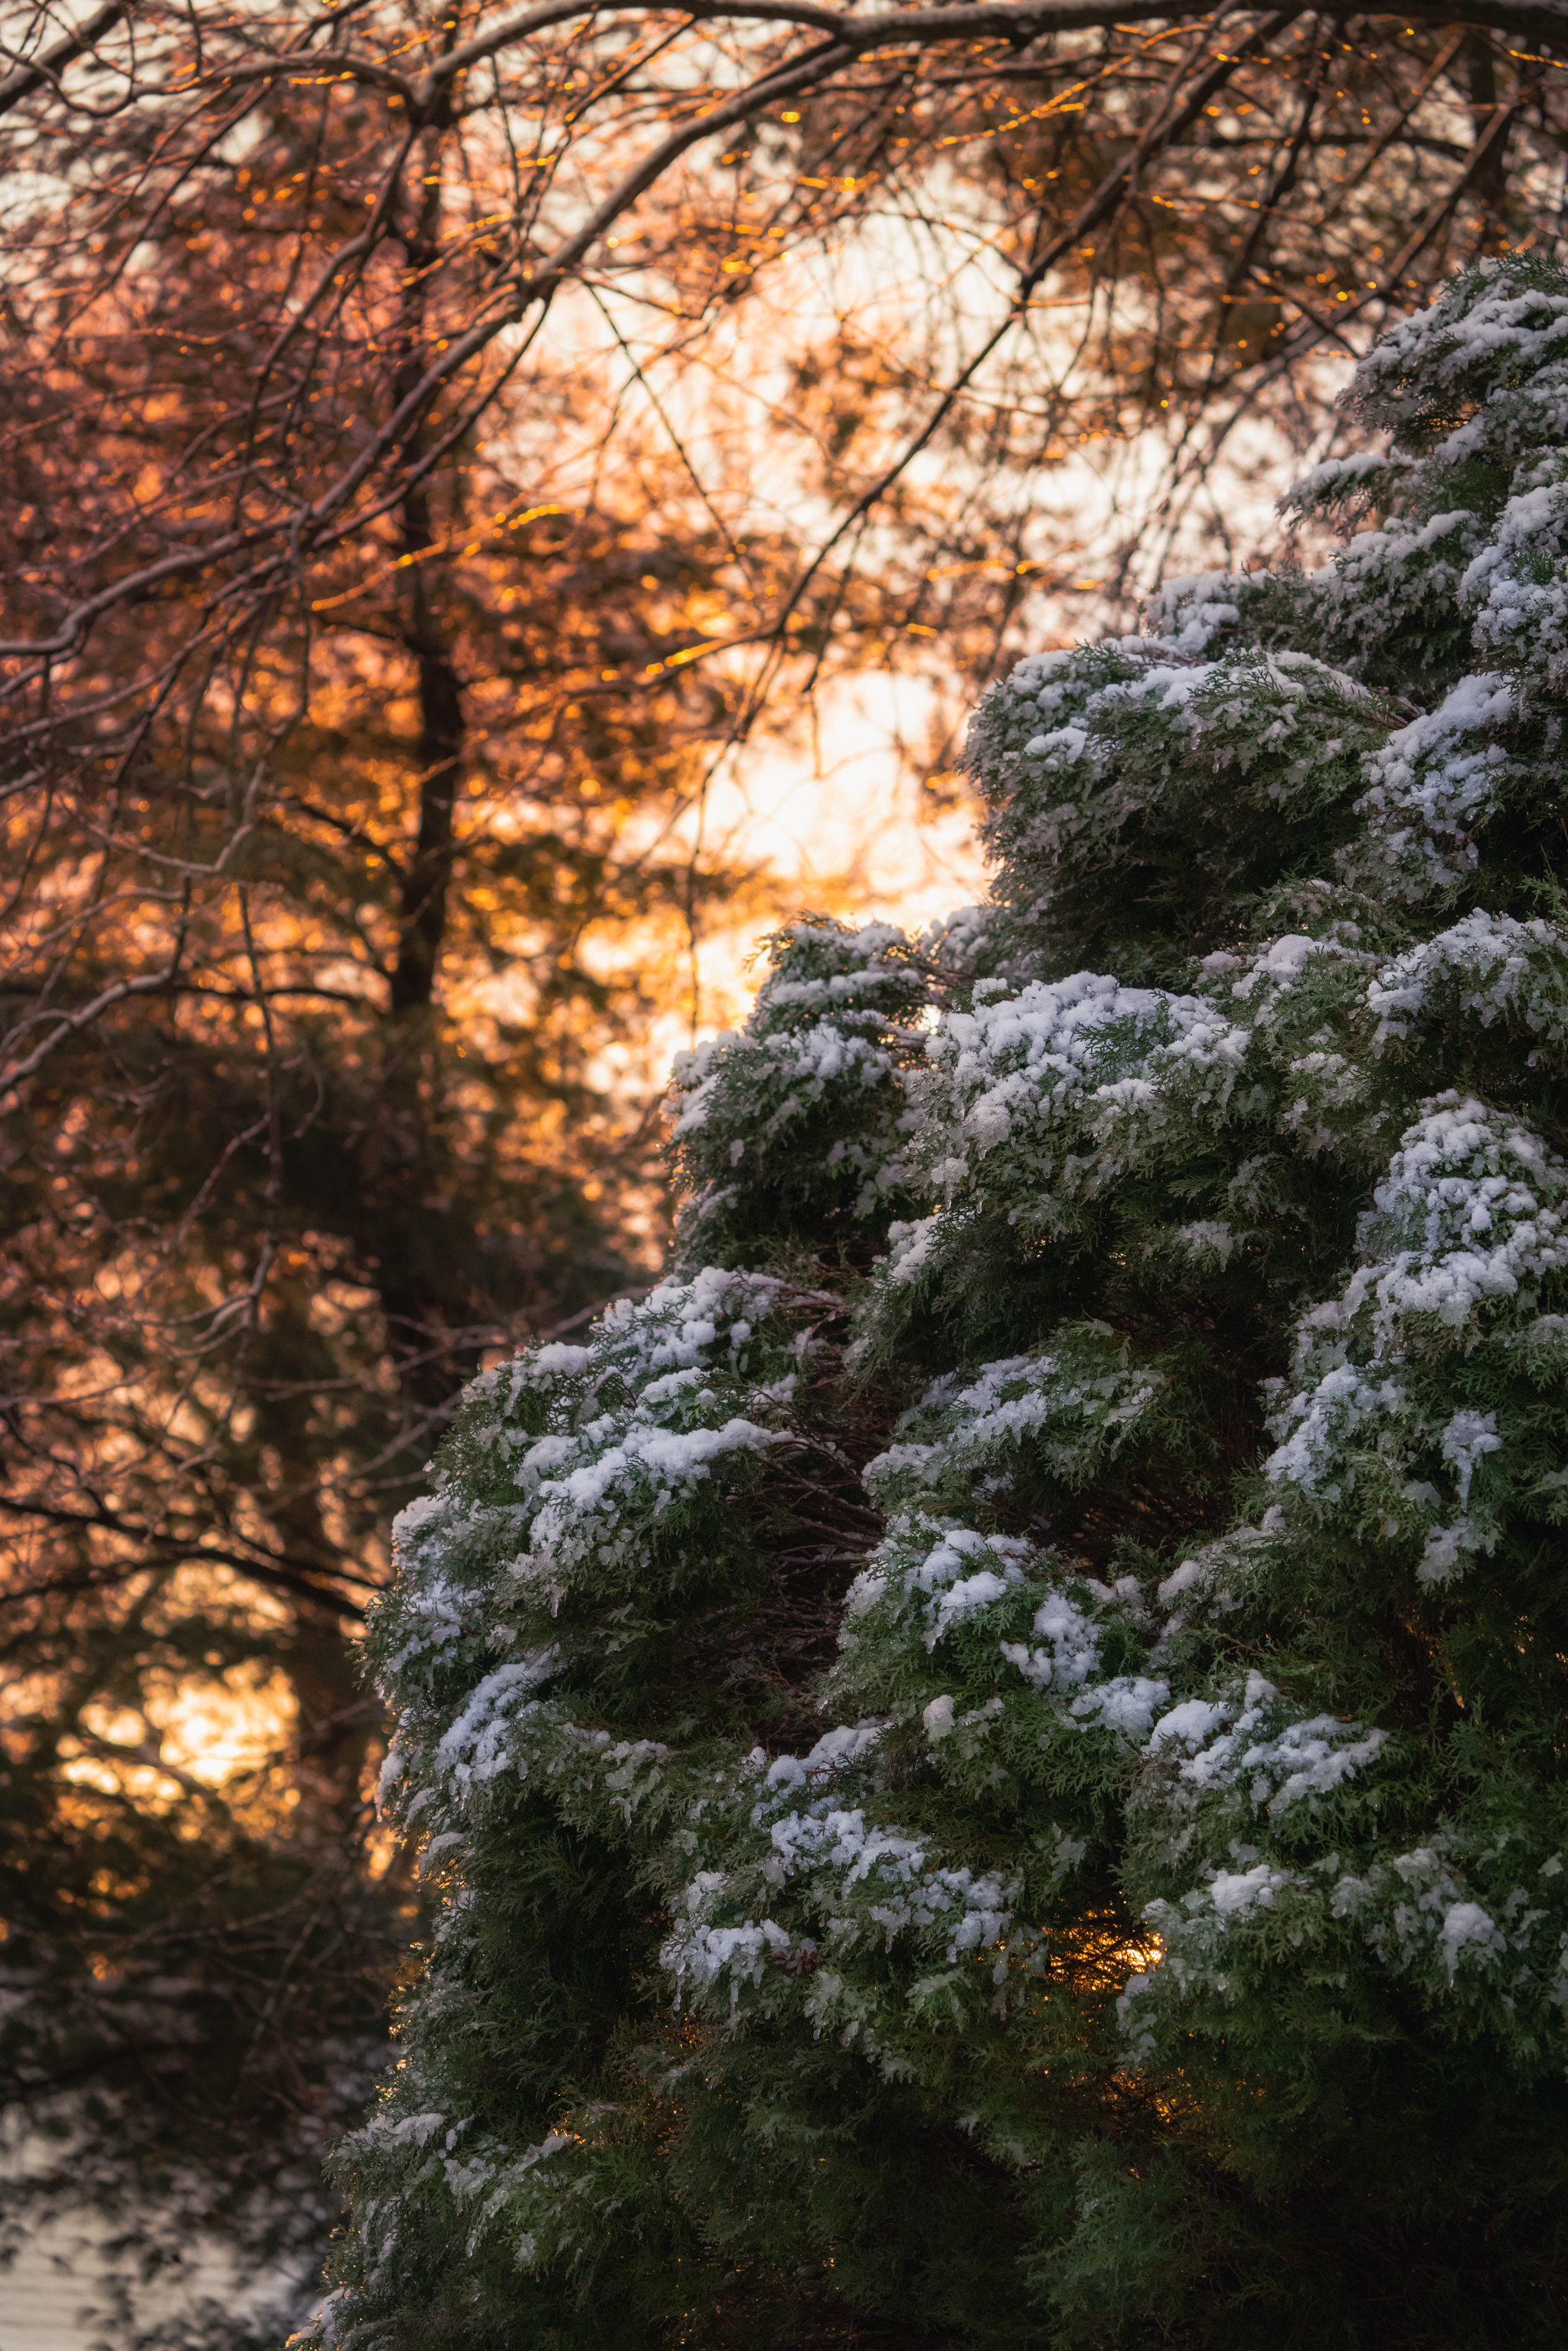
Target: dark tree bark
[440, 755]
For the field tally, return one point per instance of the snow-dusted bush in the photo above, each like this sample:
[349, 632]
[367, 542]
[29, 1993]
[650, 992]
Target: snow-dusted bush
[993, 1750]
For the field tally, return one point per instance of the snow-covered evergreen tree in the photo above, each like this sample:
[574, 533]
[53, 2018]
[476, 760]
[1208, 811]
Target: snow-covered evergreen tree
[994, 1750]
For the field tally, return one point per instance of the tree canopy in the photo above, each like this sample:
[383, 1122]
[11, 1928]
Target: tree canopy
[436, 443]
[991, 1751]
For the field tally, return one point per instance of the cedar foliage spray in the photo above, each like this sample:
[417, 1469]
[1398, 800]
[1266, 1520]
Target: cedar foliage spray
[994, 1748]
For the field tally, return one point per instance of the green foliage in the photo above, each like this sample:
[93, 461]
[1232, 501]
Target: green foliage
[992, 1758]
[789, 1136]
[1139, 806]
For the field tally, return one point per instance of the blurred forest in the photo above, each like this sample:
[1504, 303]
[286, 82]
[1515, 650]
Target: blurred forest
[439, 445]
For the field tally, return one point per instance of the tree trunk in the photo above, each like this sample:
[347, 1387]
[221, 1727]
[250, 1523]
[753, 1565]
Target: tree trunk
[440, 725]
[440, 752]
[1490, 179]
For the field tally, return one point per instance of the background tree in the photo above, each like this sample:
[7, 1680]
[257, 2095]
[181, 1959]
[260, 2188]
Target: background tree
[434, 445]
